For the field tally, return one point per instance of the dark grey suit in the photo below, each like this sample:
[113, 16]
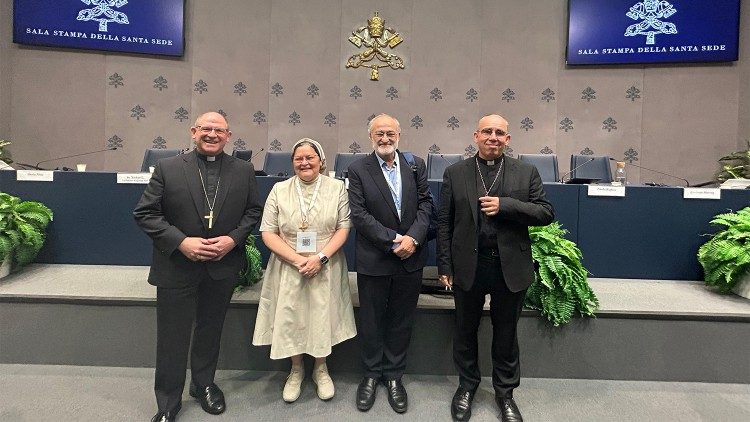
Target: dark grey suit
[522, 204]
[172, 208]
[388, 286]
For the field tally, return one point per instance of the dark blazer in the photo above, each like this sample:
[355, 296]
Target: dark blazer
[374, 215]
[522, 204]
[173, 206]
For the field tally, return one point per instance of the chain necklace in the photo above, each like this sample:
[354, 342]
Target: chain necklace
[484, 185]
[210, 216]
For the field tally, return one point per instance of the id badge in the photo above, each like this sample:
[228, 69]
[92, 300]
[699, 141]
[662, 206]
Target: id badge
[307, 242]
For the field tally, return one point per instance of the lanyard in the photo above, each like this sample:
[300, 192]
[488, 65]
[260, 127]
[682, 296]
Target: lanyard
[305, 212]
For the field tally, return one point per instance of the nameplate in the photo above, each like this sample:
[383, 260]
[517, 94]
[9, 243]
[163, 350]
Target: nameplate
[604, 190]
[701, 193]
[133, 178]
[34, 175]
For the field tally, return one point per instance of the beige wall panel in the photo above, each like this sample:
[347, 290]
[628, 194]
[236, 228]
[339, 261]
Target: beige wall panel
[58, 98]
[744, 79]
[445, 59]
[229, 51]
[6, 66]
[690, 119]
[304, 49]
[375, 99]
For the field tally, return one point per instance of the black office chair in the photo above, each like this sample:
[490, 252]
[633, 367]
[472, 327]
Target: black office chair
[546, 164]
[242, 154]
[597, 169]
[278, 163]
[437, 163]
[343, 160]
[153, 155]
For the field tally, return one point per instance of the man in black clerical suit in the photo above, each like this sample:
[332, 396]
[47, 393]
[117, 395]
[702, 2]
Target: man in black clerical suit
[198, 209]
[487, 203]
[391, 208]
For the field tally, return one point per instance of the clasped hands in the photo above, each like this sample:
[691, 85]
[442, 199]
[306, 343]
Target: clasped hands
[405, 246]
[200, 249]
[308, 266]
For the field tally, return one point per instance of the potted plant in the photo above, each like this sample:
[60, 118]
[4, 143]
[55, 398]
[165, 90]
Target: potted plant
[253, 271]
[735, 169]
[725, 258]
[561, 287]
[5, 158]
[22, 230]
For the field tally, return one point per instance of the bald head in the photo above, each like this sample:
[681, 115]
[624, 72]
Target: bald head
[210, 133]
[491, 136]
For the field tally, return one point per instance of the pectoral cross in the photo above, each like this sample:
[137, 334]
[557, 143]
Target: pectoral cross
[210, 218]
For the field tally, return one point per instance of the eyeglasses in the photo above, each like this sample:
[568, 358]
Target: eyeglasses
[207, 129]
[487, 132]
[300, 159]
[380, 135]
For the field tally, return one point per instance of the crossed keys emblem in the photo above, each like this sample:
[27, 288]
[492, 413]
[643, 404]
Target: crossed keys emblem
[375, 38]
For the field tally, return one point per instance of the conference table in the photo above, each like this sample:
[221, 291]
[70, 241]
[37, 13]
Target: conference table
[650, 233]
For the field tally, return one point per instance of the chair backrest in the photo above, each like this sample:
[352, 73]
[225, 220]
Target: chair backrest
[153, 155]
[437, 163]
[546, 164]
[278, 163]
[242, 154]
[599, 168]
[343, 159]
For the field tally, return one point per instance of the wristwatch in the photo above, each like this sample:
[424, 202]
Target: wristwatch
[323, 258]
[415, 242]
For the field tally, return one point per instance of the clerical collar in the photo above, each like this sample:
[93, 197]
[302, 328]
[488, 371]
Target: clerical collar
[490, 162]
[209, 158]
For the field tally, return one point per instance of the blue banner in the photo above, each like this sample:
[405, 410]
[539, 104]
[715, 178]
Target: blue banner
[652, 31]
[133, 26]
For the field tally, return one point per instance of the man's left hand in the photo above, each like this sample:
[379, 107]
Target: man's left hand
[406, 248]
[490, 205]
[222, 245]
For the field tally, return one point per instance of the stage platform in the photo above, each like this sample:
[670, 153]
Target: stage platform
[658, 330]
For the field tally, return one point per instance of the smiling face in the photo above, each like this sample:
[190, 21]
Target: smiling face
[385, 133]
[210, 133]
[491, 136]
[306, 162]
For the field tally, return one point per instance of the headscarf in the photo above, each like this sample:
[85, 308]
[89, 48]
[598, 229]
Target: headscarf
[317, 147]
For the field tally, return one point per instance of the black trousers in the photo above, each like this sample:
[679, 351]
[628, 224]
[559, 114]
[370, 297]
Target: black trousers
[386, 317]
[505, 309]
[204, 303]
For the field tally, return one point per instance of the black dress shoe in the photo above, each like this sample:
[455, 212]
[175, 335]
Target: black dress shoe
[508, 410]
[170, 416]
[397, 395]
[366, 393]
[461, 404]
[211, 398]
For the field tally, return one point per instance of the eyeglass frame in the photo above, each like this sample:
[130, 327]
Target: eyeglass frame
[220, 131]
[492, 132]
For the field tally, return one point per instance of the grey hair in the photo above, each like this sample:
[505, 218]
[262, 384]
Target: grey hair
[369, 124]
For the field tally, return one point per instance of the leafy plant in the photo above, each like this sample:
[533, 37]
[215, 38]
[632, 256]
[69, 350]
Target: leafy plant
[560, 288]
[22, 226]
[735, 165]
[253, 271]
[4, 153]
[726, 257]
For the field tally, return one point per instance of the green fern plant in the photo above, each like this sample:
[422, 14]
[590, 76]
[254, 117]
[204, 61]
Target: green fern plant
[560, 288]
[5, 153]
[735, 165]
[253, 271]
[726, 257]
[22, 229]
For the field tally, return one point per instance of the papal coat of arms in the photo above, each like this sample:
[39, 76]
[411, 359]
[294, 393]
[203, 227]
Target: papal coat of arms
[375, 38]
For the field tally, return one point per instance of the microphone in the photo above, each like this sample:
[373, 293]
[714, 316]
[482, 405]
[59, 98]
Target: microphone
[687, 184]
[256, 154]
[71, 156]
[562, 179]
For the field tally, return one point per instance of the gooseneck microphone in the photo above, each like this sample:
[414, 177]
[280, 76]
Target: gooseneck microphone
[71, 156]
[256, 154]
[687, 184]
[562, 179]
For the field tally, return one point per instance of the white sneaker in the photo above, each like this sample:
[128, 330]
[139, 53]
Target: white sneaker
[293, 386]
[323, 381]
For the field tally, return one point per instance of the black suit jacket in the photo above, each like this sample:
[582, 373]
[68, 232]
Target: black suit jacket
[522, 204]
[374, 215]
[173, 207]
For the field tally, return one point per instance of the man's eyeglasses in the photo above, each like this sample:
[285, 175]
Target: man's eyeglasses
[487, 132]
[207, 129]
[381, 135]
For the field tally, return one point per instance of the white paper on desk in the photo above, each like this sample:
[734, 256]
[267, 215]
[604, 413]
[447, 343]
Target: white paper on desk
[604, 190]
[701, 193]
[133, 178]
[35, 175]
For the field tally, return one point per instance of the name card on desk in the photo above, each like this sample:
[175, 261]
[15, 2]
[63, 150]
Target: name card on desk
[701, 193]
[604, 190]
[133, 178]
[34, 175]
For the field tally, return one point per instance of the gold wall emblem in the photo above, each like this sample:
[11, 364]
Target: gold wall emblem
[375, 38]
